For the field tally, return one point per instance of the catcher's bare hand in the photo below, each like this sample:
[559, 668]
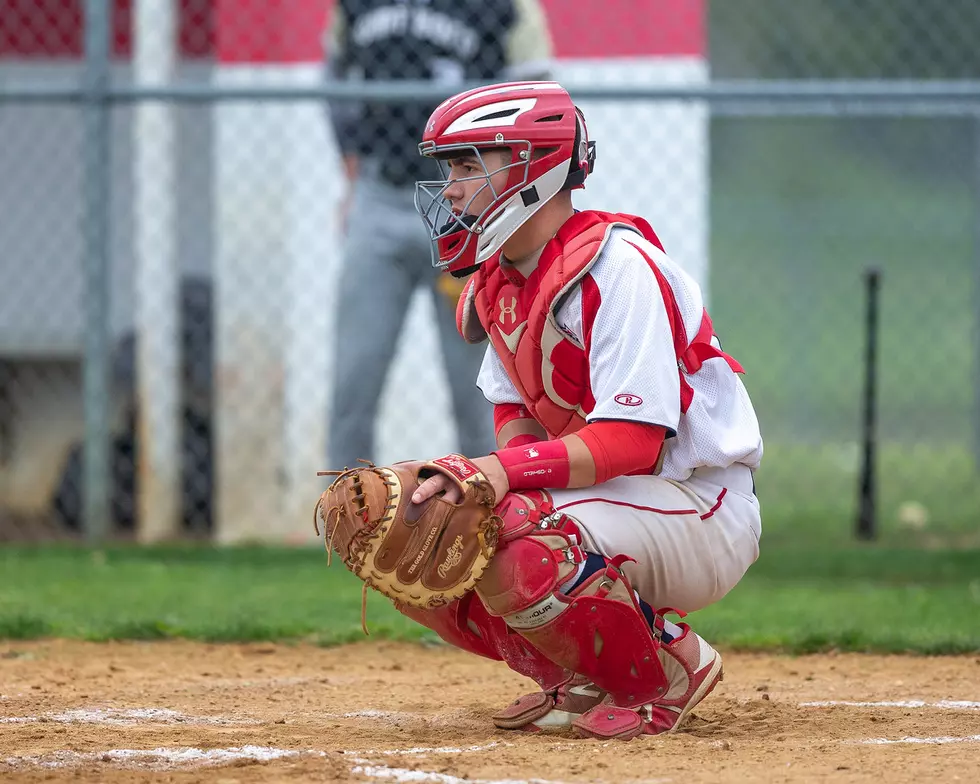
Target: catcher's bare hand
[434, 485]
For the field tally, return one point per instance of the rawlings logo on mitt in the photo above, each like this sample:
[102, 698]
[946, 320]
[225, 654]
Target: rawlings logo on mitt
[425, 555]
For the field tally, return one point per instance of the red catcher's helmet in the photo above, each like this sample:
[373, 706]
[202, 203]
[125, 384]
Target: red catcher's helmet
[550, 152]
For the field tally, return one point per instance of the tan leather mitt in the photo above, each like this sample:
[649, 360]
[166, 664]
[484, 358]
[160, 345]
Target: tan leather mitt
[425, 555]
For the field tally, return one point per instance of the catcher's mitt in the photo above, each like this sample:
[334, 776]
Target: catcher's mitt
[425, 555]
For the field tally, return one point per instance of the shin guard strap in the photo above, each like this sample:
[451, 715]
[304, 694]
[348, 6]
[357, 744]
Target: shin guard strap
[519, 654]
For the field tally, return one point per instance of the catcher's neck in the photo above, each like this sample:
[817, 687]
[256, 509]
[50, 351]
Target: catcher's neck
[523, 248]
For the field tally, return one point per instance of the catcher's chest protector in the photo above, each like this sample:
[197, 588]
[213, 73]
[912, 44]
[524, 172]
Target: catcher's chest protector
[548, 366]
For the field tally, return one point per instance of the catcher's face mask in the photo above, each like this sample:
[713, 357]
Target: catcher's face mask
[470, 215]
[475, 193]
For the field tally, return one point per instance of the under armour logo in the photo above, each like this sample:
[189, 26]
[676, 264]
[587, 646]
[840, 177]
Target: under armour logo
[508, 310]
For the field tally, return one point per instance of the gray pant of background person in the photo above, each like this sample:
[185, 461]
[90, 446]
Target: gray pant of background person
[386, 256]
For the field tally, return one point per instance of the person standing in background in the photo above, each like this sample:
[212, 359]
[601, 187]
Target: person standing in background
[386, 251]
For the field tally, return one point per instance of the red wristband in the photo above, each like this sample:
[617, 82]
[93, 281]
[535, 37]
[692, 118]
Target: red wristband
[543, 464]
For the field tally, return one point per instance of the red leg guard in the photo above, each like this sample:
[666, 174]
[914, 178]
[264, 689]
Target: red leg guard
[450, 623]
[466, 624]
[597, 630]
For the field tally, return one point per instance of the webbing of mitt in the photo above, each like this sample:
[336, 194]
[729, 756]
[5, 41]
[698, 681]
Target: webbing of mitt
[317, 512]
[424, 555]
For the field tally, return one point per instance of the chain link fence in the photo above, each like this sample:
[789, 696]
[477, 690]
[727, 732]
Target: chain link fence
[204, 293]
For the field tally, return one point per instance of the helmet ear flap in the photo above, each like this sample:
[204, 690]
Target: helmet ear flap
[583, 154]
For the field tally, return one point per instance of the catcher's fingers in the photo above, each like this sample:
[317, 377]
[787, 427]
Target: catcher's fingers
[435, 485]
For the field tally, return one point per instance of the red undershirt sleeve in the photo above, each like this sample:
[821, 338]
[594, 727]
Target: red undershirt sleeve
[620, 448]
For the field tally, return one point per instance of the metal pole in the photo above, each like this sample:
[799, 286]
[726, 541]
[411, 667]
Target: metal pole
[867, 519]
[156, 277]
[727, 98]
[95, 490]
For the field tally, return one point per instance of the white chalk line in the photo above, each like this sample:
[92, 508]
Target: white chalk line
[372, 714]
[164, 758]
[374, 771]
[169, 758]
[124, 716]
[433, 749]
[908, 739]
[939, 705]
[967, 705]
[191, 756]
[161, 757]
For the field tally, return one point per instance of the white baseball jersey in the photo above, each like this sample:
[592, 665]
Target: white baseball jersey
[633, 366]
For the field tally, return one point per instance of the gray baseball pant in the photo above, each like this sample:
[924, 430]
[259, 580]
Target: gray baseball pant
[386, 256]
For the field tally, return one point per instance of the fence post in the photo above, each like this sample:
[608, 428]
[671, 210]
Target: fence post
[156, 277]
[96, 474]
[867, 518]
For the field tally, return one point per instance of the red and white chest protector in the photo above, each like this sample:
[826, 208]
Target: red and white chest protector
[549, 369]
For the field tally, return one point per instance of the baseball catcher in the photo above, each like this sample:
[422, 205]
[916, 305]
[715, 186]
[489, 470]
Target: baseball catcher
[622, 483]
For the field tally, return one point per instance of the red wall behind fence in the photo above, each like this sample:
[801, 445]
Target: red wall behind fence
[256, 31]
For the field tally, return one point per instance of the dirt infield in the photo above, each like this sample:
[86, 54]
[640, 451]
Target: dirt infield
[187, 712]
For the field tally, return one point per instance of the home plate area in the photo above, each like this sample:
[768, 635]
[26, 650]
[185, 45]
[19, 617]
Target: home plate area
[120, 712]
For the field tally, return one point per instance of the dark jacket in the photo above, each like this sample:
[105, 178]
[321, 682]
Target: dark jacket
[446, 41]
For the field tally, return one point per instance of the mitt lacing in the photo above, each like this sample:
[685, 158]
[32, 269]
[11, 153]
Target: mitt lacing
[359, 500]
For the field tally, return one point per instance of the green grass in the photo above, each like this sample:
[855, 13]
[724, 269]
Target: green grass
[929, 495]
[857, 599]
[188, 592]
[793, 599]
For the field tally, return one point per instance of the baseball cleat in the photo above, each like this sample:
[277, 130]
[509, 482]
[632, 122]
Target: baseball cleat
[693, 669]
[550, 711]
